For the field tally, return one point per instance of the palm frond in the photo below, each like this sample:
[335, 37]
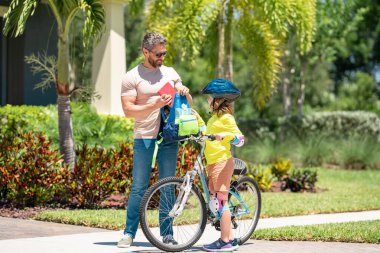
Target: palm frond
[134, 6]
[264, 48]
[186, 24]
[276, 13]
[305, 23]
[67, 6]
[44, 64]
[17, 15]
[94, 24]
[283, 14]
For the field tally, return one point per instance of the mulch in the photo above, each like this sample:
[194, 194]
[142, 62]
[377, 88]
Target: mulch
[117, 201]
[23, 213]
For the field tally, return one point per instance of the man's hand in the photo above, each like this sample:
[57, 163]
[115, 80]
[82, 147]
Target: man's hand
[164, 99]
[183, 90]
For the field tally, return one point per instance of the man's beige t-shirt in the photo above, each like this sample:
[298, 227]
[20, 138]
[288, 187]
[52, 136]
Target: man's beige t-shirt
[144, 83]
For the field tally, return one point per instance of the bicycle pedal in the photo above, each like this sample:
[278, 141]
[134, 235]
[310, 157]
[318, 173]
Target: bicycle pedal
[216, 224]
[234, 224]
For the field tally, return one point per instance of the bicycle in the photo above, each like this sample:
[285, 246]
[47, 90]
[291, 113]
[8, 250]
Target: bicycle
[176, 206]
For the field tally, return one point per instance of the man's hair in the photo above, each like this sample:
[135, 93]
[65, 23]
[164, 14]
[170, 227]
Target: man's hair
[221, 106]
[151, 39]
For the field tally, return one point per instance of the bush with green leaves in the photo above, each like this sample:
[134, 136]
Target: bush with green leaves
[262, 175]
[89, 127]
[345, 139]
[337, 124]
[281, 167]
[359, 94]
[356, 153]
[300, 180]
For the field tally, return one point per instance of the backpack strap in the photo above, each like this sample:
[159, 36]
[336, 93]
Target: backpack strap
[183, 152]
[158, 142]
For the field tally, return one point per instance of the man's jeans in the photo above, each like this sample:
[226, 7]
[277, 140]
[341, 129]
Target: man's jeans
[142, 160]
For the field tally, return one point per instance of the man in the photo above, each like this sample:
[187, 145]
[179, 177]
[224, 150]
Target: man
[140, 100]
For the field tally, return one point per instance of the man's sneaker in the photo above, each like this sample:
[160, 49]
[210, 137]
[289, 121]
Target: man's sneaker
[219, 245]
[168, 239]
[235, 244]
[125, 242]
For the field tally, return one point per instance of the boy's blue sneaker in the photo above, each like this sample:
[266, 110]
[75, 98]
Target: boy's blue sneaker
[219, 246]
[235, 244]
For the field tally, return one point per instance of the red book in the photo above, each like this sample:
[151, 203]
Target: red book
[169, 90]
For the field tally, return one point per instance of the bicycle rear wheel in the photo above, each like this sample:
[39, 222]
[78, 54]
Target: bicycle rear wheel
[155, 219]
[245, 203]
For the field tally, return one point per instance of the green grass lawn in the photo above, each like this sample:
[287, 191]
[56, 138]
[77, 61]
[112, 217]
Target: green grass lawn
[359, 232]
[344, 191]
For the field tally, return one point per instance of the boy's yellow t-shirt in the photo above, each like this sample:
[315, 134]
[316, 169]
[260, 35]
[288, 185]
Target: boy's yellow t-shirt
[218, 151]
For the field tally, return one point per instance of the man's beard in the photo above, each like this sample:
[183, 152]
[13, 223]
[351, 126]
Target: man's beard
[154, 63]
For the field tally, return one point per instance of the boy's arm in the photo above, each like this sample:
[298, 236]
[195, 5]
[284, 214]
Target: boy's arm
[201, 122]
[233, 135]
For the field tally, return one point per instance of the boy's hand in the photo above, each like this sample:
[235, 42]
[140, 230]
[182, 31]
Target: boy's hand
[220, 136]
[224, 136]
[183, 90]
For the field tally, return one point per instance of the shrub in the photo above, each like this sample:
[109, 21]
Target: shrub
[89, 127]
[336, 124]
[31, 172]
[300, 180]
[100, 172]
[357, 153]
[262, 175]
[281, 168]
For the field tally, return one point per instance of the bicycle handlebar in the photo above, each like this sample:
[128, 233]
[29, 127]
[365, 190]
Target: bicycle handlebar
[200, 138]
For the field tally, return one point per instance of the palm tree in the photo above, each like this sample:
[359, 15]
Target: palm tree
[64, 12]
[262, 25]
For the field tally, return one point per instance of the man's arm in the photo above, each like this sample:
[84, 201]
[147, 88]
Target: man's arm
[131, 110]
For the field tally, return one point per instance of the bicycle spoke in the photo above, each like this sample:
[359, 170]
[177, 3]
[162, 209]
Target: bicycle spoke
[186, 227]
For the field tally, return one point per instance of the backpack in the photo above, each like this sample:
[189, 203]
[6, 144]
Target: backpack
[178, 121]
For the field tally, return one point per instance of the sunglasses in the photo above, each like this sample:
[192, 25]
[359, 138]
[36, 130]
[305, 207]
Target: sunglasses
[159, 55]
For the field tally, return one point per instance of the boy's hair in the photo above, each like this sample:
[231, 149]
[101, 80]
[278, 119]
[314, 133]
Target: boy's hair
[220, 106]
[151, 39]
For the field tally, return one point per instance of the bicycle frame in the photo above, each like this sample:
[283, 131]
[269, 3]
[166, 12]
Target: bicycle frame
[187, 184]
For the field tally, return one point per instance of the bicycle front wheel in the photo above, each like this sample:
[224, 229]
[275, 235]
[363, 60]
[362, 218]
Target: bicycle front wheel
[158, 218]
[245, 206]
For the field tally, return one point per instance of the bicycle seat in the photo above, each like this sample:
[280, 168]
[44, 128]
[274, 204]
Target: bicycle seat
[240, 167]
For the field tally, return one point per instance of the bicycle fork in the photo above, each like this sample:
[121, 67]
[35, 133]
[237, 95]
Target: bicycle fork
[183, 194]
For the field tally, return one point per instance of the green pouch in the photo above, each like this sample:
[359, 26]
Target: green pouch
[187, 124]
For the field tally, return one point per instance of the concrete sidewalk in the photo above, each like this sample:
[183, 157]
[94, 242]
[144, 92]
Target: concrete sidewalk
[34, 236]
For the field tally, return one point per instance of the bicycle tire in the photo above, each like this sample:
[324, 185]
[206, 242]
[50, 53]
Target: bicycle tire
[249, 192]
[152, 200]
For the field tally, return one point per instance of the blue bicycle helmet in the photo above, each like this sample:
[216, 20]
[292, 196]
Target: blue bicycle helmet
[221, 88]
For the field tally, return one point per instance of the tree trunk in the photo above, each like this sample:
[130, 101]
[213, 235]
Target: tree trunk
[229, 70]
[286, 96]
[301, 98]
[66, 140]
[221, 54]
